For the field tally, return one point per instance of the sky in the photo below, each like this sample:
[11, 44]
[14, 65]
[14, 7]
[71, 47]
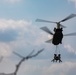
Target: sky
[20, 32]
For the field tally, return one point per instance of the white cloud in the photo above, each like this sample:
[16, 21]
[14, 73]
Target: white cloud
[74, 1]
[41, 38]
[29, 36]
[6, 74]
[25, 32]
[12, 1]
[5, 50]
[7, 66]
[60, 69]
[39, 67]
[45, 68]
[50, 36]
[69, 48]
[18, 26]
[14, 24]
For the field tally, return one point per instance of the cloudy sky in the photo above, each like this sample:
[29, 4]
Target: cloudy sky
[20, 33]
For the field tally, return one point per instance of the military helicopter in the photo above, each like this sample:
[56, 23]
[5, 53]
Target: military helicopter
[57, 35]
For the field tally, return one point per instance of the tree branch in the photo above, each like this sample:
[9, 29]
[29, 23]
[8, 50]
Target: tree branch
[25, 58]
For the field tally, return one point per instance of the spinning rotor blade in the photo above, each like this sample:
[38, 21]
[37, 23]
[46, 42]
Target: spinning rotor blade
[46, 30]
[41, 20]
[70, 34]
[49, 41]
[62, 26]
[69, 17]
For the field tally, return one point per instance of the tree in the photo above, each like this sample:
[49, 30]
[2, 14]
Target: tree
[31, 55]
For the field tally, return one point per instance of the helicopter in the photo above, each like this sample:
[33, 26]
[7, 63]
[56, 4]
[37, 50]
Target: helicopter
[57, 35]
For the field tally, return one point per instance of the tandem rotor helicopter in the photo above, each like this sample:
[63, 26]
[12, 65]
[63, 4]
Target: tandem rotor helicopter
[57, 35]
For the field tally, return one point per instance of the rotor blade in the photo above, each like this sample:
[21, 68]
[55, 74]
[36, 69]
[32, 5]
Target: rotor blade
[62, 26]
[49, 41]
[41, 20]
[70, 34]
[69, 17]
[46, 30]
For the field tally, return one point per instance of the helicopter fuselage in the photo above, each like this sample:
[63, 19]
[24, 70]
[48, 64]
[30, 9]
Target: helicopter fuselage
[57, 36]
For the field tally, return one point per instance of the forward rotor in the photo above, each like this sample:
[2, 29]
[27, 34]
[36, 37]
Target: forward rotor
[58, 23]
